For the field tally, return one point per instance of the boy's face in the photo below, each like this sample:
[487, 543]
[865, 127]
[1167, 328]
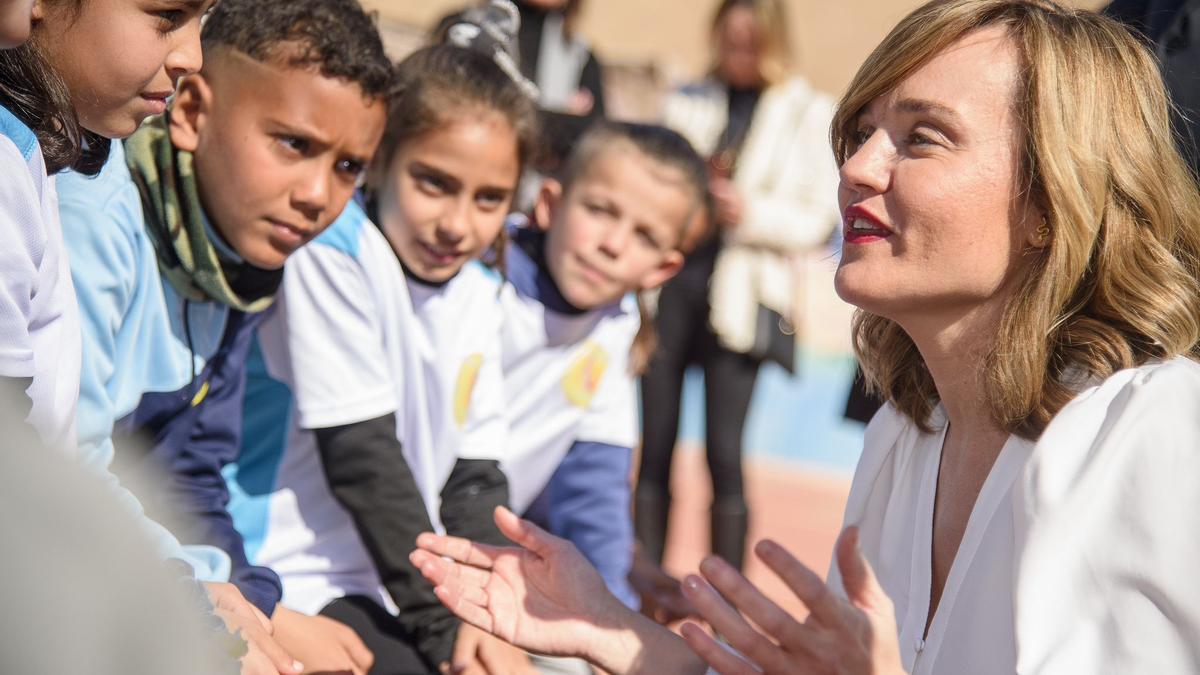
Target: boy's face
[120, 59]
[616, 229]
[278, 150]
[16, 18]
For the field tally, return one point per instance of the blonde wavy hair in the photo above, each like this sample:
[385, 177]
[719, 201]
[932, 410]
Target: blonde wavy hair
[777, 58]
[1116, 286]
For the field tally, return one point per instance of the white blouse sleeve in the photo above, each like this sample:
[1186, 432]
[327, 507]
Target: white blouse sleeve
[1108, 580]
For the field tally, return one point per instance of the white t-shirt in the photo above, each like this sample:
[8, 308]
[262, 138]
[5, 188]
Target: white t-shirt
[1080, 553]
[39, 316]
[566, 379]
[352, 339]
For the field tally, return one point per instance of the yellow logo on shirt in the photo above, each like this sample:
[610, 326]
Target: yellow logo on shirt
[468, 374]
[200, 395]
[584, 375]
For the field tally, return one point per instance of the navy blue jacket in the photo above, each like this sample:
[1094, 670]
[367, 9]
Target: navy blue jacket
[193, 433]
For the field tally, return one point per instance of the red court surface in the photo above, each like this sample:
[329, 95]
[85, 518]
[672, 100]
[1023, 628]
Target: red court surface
[798, 507]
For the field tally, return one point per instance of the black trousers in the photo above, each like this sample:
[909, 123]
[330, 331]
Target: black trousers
[393, 649]
[685, 338]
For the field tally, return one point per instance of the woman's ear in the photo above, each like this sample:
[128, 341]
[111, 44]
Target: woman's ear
[1039, 234]
[190, 110]
[548, 201]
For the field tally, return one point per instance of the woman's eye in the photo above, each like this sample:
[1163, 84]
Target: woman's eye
[859, 138]
[918, 138]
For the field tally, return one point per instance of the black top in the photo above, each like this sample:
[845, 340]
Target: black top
[529, 44]
[698, 268]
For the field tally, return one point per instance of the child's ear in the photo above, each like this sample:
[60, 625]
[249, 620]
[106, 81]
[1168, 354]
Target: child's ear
[668, 268]
[189, 112]
[548, 199]
[38, 11]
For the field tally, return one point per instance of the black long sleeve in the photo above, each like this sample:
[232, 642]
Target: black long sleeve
[370, 478]
[471, 494]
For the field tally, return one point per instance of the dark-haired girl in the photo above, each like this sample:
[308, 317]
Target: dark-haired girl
[91, 71]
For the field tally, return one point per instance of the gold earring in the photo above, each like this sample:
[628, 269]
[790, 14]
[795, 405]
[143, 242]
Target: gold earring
[1043, 232]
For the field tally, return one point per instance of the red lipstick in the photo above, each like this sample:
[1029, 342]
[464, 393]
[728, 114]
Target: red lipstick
[860, 226]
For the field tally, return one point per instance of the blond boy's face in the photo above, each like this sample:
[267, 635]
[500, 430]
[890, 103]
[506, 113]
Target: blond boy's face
[617, 228]
[278, 150]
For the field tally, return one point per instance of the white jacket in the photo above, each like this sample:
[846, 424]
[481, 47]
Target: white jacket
[788, 178]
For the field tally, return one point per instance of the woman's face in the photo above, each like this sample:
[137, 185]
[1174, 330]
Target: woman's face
[120, 59]
[740, 44]
[933, 223]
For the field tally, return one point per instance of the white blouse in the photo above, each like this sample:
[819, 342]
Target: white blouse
[1081, 552]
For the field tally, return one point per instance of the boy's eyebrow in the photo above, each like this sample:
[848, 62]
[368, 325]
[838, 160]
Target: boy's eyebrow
[296, 129]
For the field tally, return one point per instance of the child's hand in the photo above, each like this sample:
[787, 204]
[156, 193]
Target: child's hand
[322, 644]
[477, 653]
[544, 597]
[662, 594]
[263, 656]
[227, 597]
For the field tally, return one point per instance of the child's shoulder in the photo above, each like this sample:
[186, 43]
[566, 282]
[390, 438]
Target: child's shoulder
[18, 134]
[110, 195]
[476, 277]
[349, 233]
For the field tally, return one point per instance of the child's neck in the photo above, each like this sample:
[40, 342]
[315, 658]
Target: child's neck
[418, 279]
[533, 244]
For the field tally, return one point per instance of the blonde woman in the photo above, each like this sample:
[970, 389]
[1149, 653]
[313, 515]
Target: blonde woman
[773, 185]
[1023, 240]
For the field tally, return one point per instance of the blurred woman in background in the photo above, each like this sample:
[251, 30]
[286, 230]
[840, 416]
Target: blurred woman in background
[773, 185]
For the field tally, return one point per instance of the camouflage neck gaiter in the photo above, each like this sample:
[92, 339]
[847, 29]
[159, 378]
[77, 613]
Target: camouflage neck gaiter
[175, 224]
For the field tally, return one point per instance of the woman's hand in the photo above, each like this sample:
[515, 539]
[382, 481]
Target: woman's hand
[839, 637]
[728, 204]
[544, 597]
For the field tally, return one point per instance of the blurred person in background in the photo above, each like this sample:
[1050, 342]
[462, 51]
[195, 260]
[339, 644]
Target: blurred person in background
[555, 57]
[1173, 27]
[773, 187]
[569, 79]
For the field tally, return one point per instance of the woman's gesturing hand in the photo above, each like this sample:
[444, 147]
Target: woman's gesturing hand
[839, 636]
[543, 596]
